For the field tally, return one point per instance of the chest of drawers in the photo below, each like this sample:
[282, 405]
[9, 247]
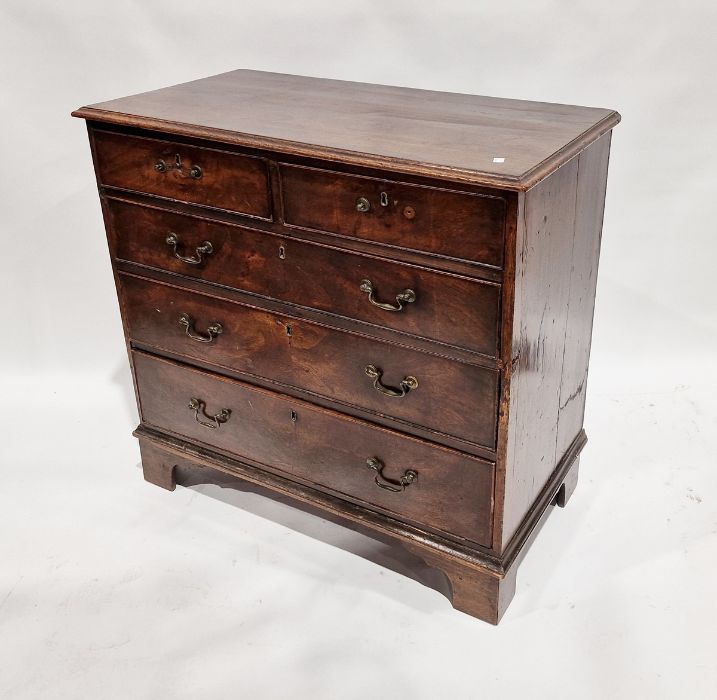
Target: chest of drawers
[375, 301]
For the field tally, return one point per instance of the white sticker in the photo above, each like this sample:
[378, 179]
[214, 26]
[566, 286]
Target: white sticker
[499, 160]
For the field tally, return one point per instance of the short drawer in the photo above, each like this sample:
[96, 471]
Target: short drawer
[439, 306]
[453, 398]
[438, 221]
[204, 176]
[382, 469]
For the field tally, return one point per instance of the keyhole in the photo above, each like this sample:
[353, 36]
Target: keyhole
[294, 417]
[282, 252]
[288, 330]
[177, 161]
[384, 199]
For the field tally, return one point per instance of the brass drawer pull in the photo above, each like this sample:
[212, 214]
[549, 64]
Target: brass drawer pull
[197, 405]
[362, 205]
[407, 296]
[409, 476]
[213, 330]
[206, 248]
[407, 383]
[161, 166]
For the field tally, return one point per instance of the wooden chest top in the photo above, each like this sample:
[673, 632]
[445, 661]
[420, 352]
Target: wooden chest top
[483, 140]
[375, 300]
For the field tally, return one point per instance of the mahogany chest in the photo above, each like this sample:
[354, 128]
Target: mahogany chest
[377, 301]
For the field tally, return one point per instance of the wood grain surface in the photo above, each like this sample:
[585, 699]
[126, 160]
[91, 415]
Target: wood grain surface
[452, 493]
[454, 398]
[557, 253]
[420, 131]
[228, 181]
[294, 213]
[448, 308]
[429, 219]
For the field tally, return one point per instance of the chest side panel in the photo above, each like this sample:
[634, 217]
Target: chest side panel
[557, 249]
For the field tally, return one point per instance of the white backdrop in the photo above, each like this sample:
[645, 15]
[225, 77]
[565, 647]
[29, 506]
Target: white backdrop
[111, 587]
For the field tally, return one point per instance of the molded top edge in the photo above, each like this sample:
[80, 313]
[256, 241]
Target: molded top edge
[496, 142]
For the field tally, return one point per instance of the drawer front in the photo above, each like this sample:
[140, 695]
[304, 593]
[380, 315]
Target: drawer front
[453, 224]
[450, 491]
[192, 174]
[447, 308]
[454, 398]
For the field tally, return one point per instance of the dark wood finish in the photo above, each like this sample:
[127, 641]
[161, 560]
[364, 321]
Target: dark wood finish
[349, 325]
[492, 215]
[435, 220]
[452, 397]
[453, 492]
[416, 131]
[559, 237]
[589, 206]
[472, 589]
[461, 266]
[157, 465]
[228, 181]
[448, 308]
[477, 584]
[567, 489]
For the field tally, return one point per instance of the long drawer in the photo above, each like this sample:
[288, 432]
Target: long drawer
[450, 397]
[439, 306]
[204, 176]
[428, 219]
[409, 478]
